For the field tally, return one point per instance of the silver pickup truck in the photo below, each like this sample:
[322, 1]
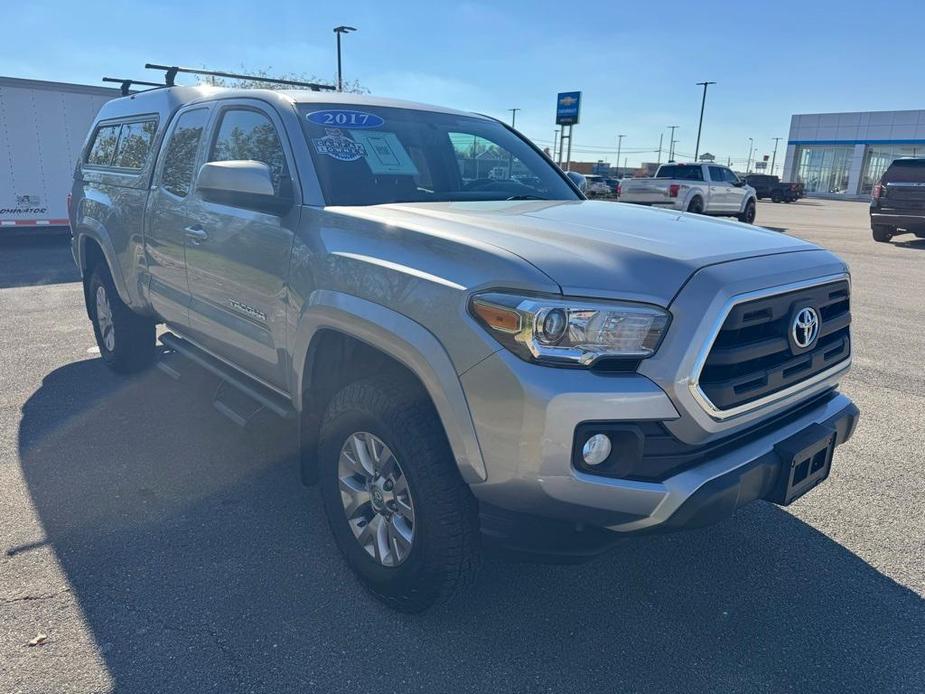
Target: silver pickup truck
[700, 188]
[473, 356]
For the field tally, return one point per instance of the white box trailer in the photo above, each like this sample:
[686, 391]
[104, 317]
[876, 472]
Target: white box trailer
[43, 126]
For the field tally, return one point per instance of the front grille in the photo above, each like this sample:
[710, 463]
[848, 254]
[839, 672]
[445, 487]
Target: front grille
[754, 356]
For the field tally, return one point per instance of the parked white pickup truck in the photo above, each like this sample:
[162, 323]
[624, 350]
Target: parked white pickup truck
[700, 188]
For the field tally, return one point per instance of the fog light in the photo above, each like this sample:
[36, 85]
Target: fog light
[596, 449]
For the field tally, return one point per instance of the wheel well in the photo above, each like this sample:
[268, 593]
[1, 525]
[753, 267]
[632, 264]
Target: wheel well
[335, 359]
[92, 254]
[91, 257]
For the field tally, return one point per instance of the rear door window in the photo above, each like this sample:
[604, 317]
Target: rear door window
[134, 144]
[717, 175]
[182, 151]
[104, 145]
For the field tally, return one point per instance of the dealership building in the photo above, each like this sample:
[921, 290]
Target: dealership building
[844, 154]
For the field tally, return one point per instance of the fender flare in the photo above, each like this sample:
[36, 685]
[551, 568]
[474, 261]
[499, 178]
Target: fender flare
[92, 229]
[753, 197]
[694, 193]
[406, 341]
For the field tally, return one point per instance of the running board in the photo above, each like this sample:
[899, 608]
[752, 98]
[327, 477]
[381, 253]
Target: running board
[261, 396]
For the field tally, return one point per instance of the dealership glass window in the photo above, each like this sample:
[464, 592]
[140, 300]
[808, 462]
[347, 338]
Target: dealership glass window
[878, 157]
[104, 145]
[134, 144]
[824, 169]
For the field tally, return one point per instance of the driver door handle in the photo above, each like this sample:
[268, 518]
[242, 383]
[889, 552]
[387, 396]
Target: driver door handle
[196, 234]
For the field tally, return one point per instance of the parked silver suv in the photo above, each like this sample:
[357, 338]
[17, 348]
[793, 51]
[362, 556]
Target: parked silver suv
[474, 352]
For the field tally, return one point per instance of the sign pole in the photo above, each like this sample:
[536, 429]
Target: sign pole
[568, 165]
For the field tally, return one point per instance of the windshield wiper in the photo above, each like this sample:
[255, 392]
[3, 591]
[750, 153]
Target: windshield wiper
[526, 197]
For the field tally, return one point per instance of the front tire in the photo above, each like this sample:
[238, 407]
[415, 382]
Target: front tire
[748, 214]
[126, 340]
[401, 515]
[882, 233]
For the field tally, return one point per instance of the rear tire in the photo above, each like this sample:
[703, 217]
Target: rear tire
[443, 554]
[882, 233]
[126, 340]
[748, 214]
[695, 205]
[776, 197]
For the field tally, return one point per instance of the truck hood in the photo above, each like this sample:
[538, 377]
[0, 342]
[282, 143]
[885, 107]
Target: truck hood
[592, 248]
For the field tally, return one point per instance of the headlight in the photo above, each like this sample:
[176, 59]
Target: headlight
[570, 331]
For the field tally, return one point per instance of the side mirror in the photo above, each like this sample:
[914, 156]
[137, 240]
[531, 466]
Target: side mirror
[739, 183]
[243, 183]
[580, 181]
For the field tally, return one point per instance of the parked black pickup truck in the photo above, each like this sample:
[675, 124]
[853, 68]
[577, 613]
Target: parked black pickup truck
[897, 205]
[767, 186]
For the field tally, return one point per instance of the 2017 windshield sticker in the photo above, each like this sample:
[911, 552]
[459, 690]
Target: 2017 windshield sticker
[338, 146]
[346, 118]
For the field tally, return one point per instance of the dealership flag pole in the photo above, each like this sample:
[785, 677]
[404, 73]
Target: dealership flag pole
[619, 142]
[774, 156]
[703, 103]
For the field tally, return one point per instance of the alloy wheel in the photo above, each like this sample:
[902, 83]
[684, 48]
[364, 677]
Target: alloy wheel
[376, 498]
[104, 319]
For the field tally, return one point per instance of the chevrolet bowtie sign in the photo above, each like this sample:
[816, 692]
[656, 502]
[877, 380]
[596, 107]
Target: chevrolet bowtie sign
[568, 107]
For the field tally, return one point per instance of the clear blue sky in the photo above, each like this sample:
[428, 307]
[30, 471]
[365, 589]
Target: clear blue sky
[636, 62]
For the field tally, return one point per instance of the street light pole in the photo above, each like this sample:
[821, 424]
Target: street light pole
[774, 156]
[341, 30]
[661, 137]
[555, 142]
[751, 148]
[513, 115]
[619, 143]
[671, 142]
[703, 103]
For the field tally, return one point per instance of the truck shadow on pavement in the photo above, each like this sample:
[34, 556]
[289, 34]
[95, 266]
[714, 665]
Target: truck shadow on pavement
[915, 244]
[201, 564]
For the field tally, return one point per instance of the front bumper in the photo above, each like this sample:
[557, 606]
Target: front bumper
[526, 439]
[737, 483]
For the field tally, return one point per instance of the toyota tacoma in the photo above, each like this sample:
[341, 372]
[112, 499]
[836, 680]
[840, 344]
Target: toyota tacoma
[475, 354]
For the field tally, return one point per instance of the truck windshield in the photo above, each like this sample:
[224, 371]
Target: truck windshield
[370, 155]
[680, 172]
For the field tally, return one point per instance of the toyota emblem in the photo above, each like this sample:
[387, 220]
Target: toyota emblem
[805, 327]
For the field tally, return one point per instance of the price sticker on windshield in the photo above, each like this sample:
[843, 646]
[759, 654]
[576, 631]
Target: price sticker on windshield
[345, 118]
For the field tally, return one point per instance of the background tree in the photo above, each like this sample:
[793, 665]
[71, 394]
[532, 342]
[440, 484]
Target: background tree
[349, 86]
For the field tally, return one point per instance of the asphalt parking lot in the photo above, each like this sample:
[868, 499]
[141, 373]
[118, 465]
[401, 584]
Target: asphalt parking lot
[160, 548]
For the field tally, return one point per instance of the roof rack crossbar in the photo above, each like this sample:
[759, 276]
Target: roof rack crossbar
[125, 85]
[170, 73]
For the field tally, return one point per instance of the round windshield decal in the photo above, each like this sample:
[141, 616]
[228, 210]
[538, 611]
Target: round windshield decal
[347, 119]
[338, 146]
